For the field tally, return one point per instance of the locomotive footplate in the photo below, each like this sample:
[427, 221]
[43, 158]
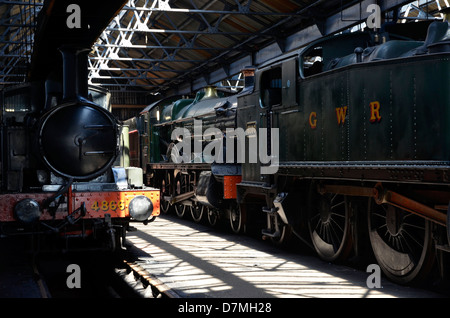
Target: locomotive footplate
[91, 204]
[179, 166]
[427, 172]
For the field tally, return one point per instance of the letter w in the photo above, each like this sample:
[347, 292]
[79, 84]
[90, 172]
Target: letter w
[341, 113]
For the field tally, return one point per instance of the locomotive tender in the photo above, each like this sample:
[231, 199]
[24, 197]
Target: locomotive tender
[364, 157]
[64, 172]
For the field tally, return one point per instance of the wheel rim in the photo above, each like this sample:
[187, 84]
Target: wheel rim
[285, 233]
[164, 192]
[401, 242]
[180, 184]
[329, 226]
[212, 216]
[235, 219]
[180, 209]
[197, 212]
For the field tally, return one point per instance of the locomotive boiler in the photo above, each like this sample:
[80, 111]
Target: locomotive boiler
[183, 173]
[355, 126]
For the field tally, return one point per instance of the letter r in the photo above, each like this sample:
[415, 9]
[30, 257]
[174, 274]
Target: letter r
[375, 112]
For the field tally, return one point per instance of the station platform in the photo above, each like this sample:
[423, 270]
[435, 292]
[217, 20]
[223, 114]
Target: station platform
[197, 261]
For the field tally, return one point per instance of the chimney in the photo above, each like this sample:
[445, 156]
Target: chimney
[75, 73]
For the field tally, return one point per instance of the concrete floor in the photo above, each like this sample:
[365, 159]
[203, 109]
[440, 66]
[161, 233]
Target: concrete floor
[197, 261]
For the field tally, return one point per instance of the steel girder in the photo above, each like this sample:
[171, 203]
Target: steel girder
[161, 47]
[179, 46]
[17, 26]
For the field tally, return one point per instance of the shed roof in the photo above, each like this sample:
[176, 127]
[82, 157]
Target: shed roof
[157, 46]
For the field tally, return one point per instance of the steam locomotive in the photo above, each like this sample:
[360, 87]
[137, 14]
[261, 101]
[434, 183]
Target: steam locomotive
[344, 144]
[64, 160]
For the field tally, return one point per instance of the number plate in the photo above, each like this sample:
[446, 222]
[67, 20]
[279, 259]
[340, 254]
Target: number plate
[106, 206]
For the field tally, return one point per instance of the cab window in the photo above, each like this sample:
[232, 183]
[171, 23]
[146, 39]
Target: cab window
[313, 62]
[271, 83]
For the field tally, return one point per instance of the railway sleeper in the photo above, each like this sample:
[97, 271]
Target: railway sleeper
[145, 284]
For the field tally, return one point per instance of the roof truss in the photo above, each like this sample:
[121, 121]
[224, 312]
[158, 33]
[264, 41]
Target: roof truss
[179, 46]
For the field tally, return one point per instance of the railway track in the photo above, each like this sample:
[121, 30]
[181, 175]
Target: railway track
[149, 268]
[25, 273]
[143, 282]
[19, 274]
[102, 275]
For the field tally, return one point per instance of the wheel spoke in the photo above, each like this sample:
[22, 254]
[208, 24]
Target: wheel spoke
[337, 226]
[415, 226]
[340, 215]
[329, 226]
[412, 239]
[337, 205]
[316, 219]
